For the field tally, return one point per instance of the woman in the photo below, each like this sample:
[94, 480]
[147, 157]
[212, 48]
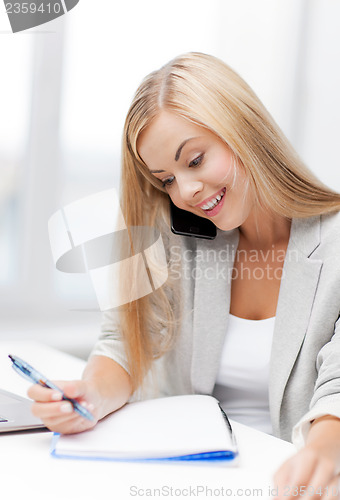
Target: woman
[196, 133]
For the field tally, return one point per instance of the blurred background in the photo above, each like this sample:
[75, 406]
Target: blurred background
[64, 92]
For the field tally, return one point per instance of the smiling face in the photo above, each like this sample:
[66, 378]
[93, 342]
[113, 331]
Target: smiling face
[197, 170]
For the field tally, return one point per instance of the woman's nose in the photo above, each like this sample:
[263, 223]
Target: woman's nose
[188, 190]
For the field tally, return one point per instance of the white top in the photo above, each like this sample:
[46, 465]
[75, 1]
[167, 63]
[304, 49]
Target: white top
[243, 377]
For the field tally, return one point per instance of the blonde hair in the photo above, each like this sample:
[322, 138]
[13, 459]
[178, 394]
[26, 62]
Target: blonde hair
[205, 91]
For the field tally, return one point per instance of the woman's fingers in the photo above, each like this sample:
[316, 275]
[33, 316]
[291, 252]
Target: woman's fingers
[332, 492]
[58, 417]
[73, 389]
[43, 410]
[306, 474]
[42, 394]
[59, 414]
[67, 425]
[297, 470]
[321, 479]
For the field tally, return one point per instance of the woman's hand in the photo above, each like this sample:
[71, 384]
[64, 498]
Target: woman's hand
[308, 474]
[104, 388]
[313, 472]
[58, 415]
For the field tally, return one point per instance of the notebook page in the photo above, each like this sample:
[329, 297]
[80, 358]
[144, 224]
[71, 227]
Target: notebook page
[163, 427]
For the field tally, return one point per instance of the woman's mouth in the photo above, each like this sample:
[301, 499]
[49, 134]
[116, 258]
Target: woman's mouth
[214, 206]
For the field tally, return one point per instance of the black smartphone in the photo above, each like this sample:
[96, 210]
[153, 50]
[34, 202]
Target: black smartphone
[189, 224]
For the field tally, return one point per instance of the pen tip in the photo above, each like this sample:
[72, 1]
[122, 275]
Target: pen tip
[11, 357]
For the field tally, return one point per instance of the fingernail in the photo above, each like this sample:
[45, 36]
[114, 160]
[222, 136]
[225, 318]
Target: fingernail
[66, 408]
[56, 396]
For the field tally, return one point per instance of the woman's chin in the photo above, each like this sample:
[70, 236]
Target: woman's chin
[225, 227]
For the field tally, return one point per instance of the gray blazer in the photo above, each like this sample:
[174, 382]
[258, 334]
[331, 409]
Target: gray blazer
[305, 358]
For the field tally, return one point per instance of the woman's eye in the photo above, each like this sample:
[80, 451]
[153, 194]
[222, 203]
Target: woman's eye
[196, 162]
[168, 182]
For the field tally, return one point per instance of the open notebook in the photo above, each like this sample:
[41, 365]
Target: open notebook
[174, 428]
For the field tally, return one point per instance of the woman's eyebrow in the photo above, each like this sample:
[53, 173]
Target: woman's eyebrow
[179, 150]
[177, 155]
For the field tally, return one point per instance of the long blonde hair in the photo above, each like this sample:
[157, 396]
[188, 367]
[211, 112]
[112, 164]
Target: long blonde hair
[204, 90]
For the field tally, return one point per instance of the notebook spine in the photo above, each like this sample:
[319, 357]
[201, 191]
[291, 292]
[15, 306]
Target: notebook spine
[226, 419]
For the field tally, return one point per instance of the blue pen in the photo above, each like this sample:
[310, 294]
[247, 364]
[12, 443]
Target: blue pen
[29, 373]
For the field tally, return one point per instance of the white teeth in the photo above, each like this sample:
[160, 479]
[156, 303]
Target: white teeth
[212, 203]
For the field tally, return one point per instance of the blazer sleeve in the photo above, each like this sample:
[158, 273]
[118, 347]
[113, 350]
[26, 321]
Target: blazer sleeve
[326, 397]
[110, 342]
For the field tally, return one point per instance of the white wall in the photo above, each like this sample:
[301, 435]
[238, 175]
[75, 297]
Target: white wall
[318, 107]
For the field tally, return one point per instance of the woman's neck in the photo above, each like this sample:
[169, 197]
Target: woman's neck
[264, 229]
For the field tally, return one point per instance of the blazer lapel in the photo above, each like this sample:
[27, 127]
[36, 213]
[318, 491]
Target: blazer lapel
[211, 306]
[297, 291]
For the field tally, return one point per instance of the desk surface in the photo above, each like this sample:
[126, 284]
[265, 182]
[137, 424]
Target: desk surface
[29, 472]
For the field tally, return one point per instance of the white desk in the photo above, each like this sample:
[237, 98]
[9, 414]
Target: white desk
[27, 471]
